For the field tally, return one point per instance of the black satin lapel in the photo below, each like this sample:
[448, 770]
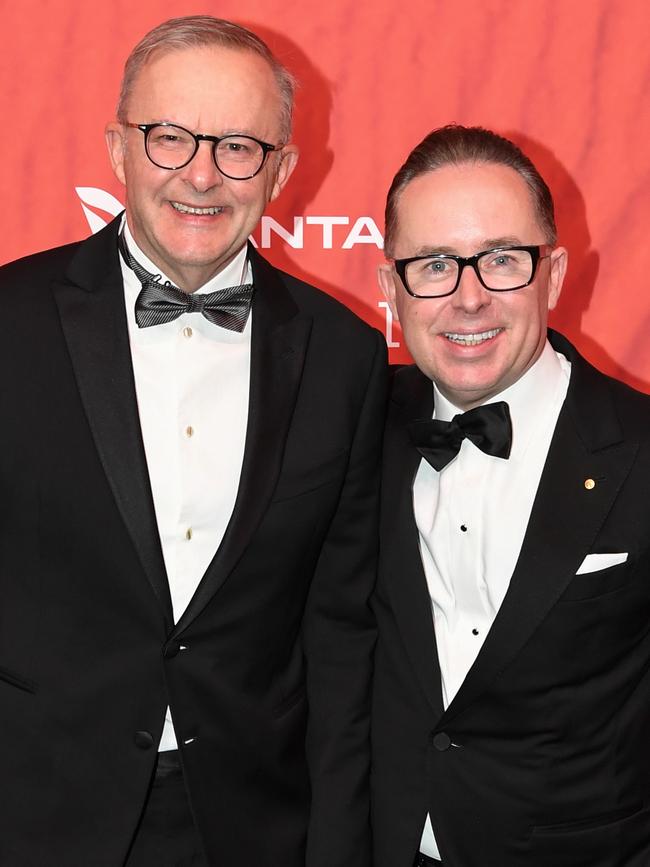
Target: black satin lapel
[403, 573]
[95, 328]
[564, 522]
[279, 341]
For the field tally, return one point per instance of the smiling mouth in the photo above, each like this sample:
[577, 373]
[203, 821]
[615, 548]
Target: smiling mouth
[200, 212]
[472, 339]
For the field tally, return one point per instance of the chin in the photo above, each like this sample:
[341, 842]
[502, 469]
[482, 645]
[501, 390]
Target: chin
[195, 258]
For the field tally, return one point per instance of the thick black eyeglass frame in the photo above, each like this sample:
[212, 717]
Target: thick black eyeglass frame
[537, 252]
[198, 137]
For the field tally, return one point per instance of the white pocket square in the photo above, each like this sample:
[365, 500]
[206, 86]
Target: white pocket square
[596, 562]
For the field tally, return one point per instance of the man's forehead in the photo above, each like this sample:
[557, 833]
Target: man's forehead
[206, 84]
[195, 56]
[482, 201]
[466, 179]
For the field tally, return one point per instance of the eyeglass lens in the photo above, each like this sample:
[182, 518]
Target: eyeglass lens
[499, 270]
[172, 147]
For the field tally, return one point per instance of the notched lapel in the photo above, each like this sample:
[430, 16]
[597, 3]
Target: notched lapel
[404, 578]
[93, 318]
[565, 520]
[279, 341]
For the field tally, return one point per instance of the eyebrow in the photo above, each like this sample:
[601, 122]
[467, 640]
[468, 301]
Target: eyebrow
[487, 244]
[241, 131]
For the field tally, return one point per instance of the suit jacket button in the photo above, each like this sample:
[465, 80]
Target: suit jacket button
[441, 741]
[170, 650]
[143, 740]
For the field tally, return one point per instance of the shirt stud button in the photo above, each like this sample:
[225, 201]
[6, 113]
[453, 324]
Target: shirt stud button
[187, 332]
[188, 533]
[189, 431]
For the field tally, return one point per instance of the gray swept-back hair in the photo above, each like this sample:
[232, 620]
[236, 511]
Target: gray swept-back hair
[197, 31]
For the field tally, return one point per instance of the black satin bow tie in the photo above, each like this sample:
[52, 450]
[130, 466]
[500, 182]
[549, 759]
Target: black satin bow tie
[487, 426]
[163, 302]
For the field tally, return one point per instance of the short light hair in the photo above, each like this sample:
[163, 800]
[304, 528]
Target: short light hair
[455, 145]
[198, 31]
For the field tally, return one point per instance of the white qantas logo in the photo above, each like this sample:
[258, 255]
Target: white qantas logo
[332, 232]
[93, 197]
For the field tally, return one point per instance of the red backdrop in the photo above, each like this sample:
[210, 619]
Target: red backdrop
[567, 80]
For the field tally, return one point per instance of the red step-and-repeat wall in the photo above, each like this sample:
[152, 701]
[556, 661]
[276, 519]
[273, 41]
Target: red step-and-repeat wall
[568, 80]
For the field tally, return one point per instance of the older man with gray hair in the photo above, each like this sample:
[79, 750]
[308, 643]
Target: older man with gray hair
[188, 537]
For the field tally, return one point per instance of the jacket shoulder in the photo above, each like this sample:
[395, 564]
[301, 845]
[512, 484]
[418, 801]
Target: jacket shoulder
[407, 381]
[319, 303]
[38, 266]
[309, 299]
[632, 405]
[595, 397]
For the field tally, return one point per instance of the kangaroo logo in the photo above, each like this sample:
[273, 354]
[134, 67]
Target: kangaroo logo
[93, 197]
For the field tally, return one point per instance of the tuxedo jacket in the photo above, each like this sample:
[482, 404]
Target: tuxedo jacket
[542, 758]
[267, 671]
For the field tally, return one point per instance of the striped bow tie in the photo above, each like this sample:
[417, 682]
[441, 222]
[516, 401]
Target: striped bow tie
[160, 302]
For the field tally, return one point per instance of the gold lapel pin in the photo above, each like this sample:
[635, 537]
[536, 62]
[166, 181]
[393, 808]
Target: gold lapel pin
[590, 484]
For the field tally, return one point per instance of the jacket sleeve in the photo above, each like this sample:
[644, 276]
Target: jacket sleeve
[339, 639]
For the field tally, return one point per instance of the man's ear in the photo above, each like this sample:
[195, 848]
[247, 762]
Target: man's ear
[116, 143]
[386, 279]
[288, 160]
[557, 273]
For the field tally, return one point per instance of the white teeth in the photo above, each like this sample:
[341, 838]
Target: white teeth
[186, 209]
[472, 339]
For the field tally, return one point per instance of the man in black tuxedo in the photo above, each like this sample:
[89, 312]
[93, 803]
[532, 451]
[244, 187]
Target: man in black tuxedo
[189, 500]
[512, 694]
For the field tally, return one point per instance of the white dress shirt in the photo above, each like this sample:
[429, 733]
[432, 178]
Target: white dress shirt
[192, 383]
[472, 517]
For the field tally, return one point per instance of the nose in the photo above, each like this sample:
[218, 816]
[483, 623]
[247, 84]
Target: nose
[201, 172]
[471, 295]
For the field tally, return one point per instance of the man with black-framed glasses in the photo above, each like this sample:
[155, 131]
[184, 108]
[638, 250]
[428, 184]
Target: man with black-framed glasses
[189, 504]
[512, 689]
